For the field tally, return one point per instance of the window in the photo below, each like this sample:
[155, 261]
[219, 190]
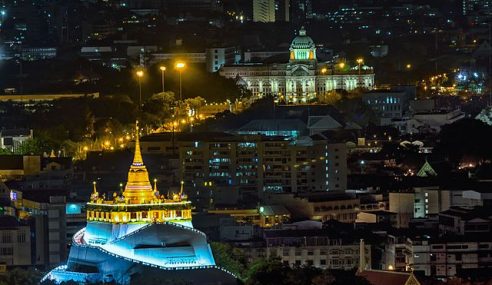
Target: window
[21, 238]
[6, 238]
[6, 251]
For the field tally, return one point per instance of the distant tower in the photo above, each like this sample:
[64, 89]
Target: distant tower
[264, 11]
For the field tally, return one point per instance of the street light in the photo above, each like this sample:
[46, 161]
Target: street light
[341, 65]
[2, 13]
[140, 74]
[163, 71]
[360, 61]
[180, 66]
[408, 66]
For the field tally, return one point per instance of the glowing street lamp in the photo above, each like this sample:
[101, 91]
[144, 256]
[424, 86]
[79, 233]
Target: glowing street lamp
[341, 65]
[140, 74]
[362, 163]
[180, 66]
[408, 66]
[324, 70]
[163, 71]
[360, 61]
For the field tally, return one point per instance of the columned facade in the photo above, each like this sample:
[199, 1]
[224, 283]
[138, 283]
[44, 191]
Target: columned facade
[303, 79]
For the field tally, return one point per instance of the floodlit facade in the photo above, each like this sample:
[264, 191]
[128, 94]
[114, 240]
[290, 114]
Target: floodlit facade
[139, 231]
[303, 79]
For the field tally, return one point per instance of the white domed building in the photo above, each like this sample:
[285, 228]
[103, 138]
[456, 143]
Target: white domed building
[303, 78]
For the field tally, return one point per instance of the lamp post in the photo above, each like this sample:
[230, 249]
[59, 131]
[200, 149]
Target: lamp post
[180, 66]
[140, 74]
[2, 13]
[341, 65]
[163, 71]
[360, 61]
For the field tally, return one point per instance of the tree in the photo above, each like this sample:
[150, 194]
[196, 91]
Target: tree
[467, 137]
[19, 276]
[267, 271]
[230, 258]
[158, 108]
[330, 98]
[31, 147]
[195, 103]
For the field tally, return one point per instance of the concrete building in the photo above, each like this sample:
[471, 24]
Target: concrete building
[303, 78]
[435, 120]
[264, 11]
[263, 216]
[15, 242]
[287, 128]
[403, 205]
[253, 163]
[448, 256]
[377, 217]
[14, 167]
[38, 53]
[461, 221]
[220, 56]
[318, 206]
[394, 253]
[47, 213]
[387, 104]
[188, 57]
[11, 140]
[258, 56]
[321, 248]
[419, 203]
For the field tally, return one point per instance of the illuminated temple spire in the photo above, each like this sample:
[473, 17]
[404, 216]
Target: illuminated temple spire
[137, 158]
[138, 189]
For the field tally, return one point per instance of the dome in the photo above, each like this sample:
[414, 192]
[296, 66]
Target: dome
[302, 47]
[302, 41]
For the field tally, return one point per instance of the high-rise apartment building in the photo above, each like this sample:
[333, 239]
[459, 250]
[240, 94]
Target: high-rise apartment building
[264, 11]
[253, 164]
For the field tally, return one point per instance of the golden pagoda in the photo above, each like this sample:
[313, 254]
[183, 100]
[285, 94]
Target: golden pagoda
[138, 189]
[139, 202]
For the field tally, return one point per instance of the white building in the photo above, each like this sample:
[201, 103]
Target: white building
[321, 248]
[447, 257]
[220, 56]
[11, 140]
[303, 79]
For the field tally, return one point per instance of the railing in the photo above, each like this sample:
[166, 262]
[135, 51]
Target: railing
[163, 267]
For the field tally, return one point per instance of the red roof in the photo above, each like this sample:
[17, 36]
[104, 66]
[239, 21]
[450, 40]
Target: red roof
[379, 277]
